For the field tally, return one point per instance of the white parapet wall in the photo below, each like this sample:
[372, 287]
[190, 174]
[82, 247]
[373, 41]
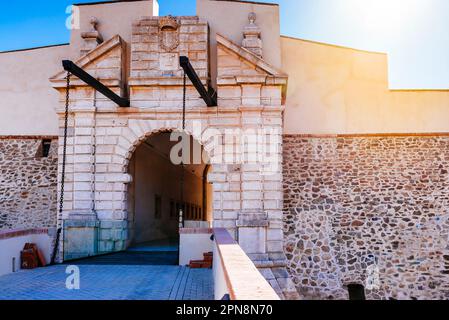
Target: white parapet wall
[235, 274]
[194, 242]
[12, 243]
[233, 271]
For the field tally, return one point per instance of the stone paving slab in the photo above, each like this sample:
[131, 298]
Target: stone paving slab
[110, 282]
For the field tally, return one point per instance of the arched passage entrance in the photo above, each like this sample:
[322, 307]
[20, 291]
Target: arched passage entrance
[161, 187]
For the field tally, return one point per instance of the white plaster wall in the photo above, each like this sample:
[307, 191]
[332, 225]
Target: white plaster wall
[336, 90]
[11, 248]
[114, 18]
[193, 246]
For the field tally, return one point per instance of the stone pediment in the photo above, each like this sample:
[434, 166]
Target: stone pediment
[104, 63]
[239, 65]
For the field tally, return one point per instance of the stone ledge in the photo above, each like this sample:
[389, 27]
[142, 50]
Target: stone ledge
[81, 223]
[29, 137]
[196, 231]
[159, 81]
[113, 224]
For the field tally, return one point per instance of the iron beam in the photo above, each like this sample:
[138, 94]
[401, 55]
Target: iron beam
[209, 97]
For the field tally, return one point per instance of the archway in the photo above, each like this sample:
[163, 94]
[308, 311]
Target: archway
[161, 187]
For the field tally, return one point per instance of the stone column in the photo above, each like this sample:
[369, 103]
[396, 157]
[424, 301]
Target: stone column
[115, 136]
[260, 220]
[252, 221]
[80, 224]
[226, 196]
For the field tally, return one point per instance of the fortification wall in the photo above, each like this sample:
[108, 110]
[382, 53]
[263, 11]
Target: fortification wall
[28, 182]
[354, 204]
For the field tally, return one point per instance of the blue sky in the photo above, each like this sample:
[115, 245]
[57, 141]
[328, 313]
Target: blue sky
[415, 33]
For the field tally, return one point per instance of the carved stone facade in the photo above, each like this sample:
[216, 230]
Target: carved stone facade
[360, 206]
[157, 44]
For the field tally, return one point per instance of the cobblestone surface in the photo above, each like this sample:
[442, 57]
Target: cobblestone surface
[110, 283]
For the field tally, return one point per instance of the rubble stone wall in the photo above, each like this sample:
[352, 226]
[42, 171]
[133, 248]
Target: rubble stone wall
[367, 210]
[28, 182]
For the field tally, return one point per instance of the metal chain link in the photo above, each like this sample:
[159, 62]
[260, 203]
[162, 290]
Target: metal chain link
[64, 154]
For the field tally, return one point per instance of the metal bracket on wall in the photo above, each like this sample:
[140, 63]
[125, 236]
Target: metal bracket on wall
[209, 96]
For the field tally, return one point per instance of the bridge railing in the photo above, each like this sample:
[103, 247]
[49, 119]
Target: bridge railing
[235, 275]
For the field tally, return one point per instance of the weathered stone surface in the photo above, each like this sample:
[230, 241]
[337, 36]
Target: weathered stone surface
[80, 241]
[354, 203]
[159, 41]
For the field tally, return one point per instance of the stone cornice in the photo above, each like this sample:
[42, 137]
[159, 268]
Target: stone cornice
[75, 82]
[145, 113]
[159, 81]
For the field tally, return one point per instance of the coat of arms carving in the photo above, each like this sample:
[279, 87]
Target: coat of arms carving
[168, 33]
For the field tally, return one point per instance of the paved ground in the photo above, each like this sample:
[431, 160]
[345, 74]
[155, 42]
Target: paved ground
[110, 282]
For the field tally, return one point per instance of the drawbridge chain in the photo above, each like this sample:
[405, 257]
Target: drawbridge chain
[64, 158]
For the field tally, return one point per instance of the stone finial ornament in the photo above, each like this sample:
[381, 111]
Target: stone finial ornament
[252, 40]
[252, 18]
[91, 38]
[168, 22]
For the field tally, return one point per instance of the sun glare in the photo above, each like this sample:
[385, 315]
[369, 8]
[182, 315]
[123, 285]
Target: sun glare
[385, 16]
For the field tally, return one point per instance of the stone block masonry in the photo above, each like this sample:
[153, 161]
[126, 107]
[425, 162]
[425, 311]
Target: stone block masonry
[28, 183]
[96, 216]
[158, 42]
[367, 210]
